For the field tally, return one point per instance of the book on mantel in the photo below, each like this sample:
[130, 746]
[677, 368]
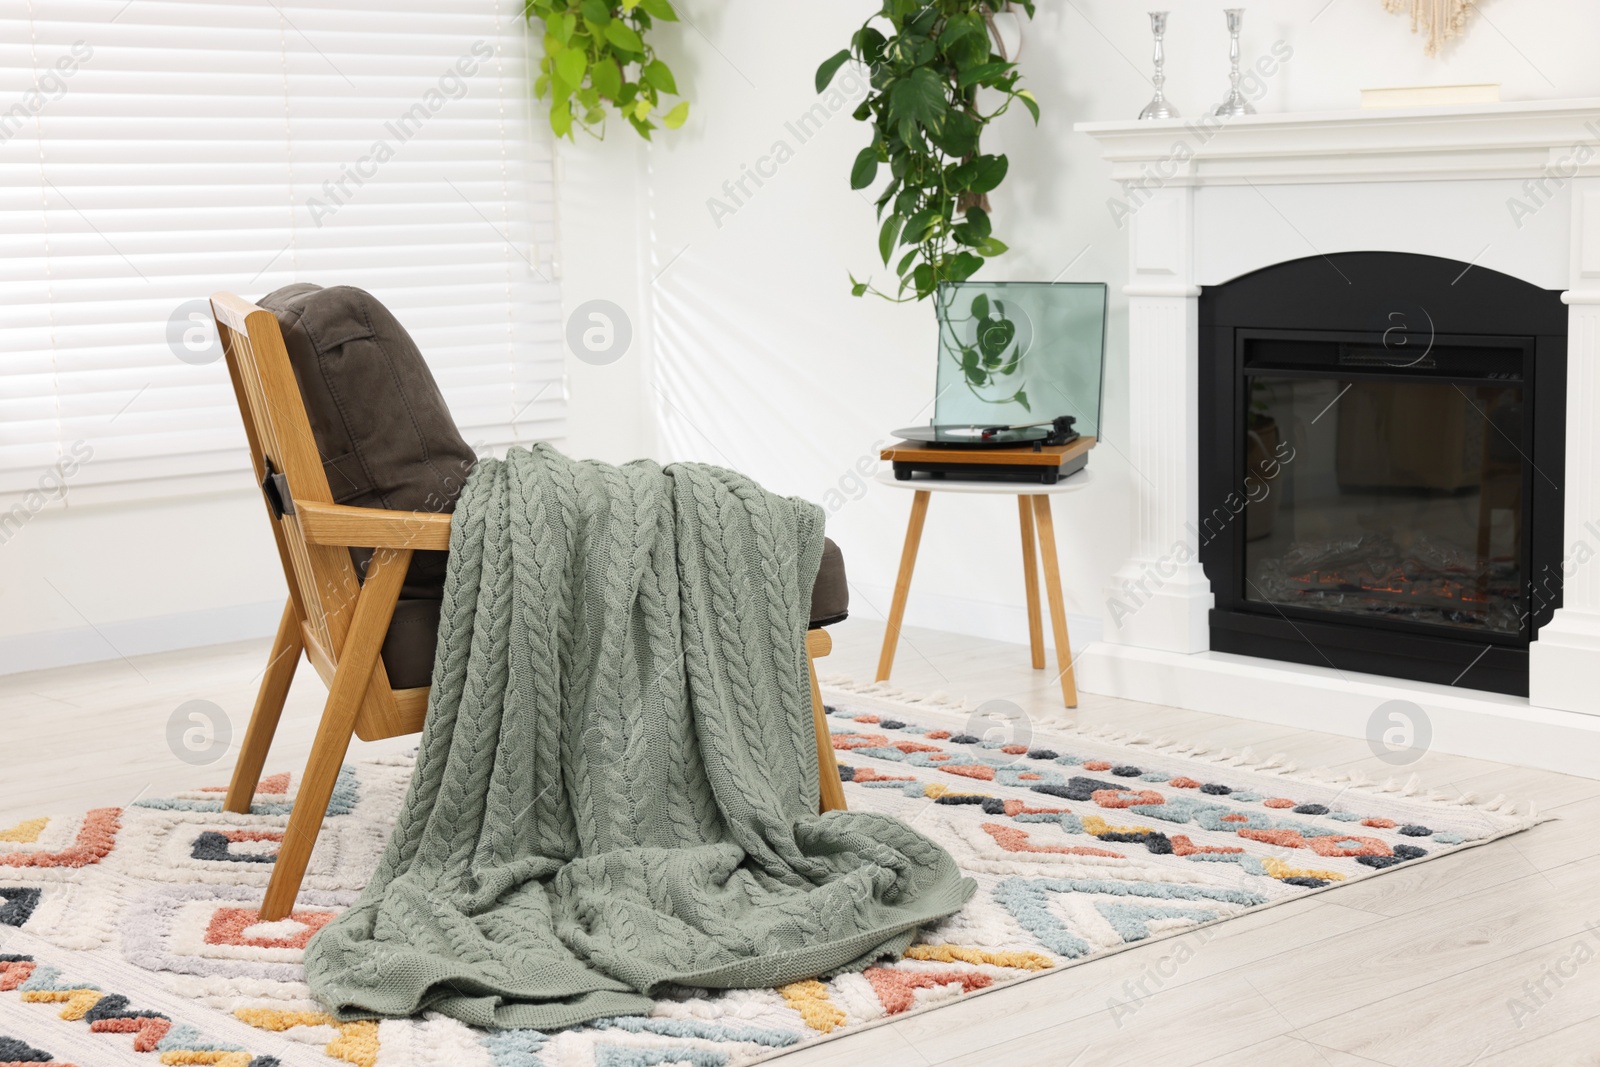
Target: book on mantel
[1431, 95]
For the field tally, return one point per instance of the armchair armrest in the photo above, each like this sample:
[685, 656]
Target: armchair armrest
[351, 527]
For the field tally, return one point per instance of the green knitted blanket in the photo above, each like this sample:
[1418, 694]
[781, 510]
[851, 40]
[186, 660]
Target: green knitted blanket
[617, 783]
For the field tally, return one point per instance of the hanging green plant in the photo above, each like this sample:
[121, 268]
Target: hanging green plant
[927, 123]
[597, 58]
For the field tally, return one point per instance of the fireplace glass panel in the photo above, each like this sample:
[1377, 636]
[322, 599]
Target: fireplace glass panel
[1386, 499]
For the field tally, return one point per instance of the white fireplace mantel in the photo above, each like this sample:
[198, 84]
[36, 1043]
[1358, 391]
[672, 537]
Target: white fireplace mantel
[1507, 187]
[1398, 144]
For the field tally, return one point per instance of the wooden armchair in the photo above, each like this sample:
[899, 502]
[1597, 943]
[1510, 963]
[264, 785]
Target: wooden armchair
[333, 616]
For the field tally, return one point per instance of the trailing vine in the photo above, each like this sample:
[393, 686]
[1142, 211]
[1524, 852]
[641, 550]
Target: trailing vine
[597, 57]
[927, 120]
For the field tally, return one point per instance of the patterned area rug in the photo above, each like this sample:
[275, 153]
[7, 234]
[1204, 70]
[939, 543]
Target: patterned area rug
[129, 935]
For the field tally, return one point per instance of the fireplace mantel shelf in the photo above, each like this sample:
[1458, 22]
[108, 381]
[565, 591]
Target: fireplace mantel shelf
[1509, 140]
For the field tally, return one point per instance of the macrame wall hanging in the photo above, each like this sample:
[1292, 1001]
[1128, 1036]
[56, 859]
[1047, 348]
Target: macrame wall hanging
[1439, 19]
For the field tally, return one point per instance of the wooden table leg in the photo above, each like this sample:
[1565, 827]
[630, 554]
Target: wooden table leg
[902, 582]
[1058, 603]
[1030, 583]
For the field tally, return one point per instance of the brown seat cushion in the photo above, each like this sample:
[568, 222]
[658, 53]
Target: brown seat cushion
[388, 441]
[830, 594]
[408, 647]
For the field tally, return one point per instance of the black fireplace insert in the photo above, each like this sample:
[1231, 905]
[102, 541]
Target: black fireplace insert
[1382, 447]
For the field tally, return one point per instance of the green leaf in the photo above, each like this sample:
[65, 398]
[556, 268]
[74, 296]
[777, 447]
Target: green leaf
[963, 266]
[920, 16]
[1021, 397]
[659, 9]
[958, 135]
[981, 73]
[677, 116]
[596, 11]
[560, 27]
[657, 74]
[980, 306]
[561, 118]
[1030, 103]
[869, 43]
[830, 67]
[918, 227]
[887, 195]
[624, 36]
[905, 261]
[641, 125]
[960, 26]
[628, 6]
[865, 168]
[888, 236]
[992, 246]
[607, 78]
[570, 66]
[987, 172]
[918, 97]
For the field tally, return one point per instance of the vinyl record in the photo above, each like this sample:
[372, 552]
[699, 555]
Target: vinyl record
[974, 436]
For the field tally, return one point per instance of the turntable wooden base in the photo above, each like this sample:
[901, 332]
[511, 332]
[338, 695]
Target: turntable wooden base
[1045, 464]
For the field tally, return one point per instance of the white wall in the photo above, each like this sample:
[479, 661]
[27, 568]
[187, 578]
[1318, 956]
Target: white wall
[748, 349]
[762, 359]
[103, 581]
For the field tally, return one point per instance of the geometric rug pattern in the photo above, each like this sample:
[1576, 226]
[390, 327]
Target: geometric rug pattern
[129, 936]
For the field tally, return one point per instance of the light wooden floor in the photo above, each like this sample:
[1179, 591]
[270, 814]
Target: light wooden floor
[1424, 966]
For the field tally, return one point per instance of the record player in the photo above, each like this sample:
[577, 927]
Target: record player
[1009, 354]
[1043, 452]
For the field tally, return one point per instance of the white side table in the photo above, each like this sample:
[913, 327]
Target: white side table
[1033, 511]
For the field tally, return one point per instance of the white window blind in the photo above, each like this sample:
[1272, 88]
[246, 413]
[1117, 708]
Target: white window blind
[155, 152]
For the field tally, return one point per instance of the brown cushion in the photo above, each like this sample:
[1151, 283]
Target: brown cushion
[830, 594]
[408, 646]
[385, 434]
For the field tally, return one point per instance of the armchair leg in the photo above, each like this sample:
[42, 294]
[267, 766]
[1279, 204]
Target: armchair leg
[359, 656]
[275, 680]
[831, 791]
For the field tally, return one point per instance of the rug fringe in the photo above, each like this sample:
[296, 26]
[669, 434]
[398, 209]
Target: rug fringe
[1278, 764]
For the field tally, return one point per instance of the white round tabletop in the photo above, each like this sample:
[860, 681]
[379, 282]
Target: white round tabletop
[1069, 484]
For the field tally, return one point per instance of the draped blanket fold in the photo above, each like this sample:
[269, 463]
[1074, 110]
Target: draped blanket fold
[617, 784]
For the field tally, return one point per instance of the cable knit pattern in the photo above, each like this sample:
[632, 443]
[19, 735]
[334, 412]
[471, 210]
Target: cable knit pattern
[617, 783]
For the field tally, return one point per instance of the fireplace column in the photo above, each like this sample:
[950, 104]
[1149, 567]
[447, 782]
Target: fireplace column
[1564, 660]
[1159, 598]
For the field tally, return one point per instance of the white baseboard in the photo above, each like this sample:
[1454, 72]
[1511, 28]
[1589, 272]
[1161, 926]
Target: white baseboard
[138, 637]
[963, 615]
[1463, 722]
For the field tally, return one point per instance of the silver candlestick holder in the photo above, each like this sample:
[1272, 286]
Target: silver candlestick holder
[1158, 108]
[1234, 103]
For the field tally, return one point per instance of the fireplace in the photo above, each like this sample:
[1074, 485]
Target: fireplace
[1382, 452]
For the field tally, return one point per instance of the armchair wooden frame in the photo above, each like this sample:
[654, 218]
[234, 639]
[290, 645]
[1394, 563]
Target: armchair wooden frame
[333, 617]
